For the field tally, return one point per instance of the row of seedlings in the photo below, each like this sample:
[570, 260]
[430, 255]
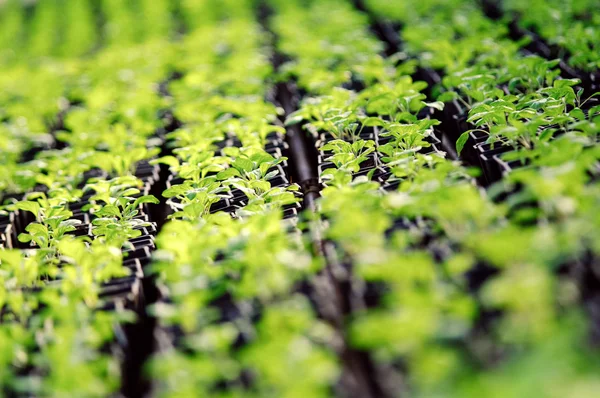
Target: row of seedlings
[68, 28]
[33, 104]
[320, 37]
[544, 124]
[439, 262]
[81, 234]
[231, 260]
[30, 101]
[538, 130]
[369, 142]
[31, 112]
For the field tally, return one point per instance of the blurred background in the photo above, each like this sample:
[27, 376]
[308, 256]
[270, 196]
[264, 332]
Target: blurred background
[72, 28]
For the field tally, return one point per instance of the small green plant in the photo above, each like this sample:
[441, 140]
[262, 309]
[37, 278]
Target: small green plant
[400, 101]
[117, 222]
[53, 222]
[250, 165]
[116, 206]
[349, 156]
[195, 199]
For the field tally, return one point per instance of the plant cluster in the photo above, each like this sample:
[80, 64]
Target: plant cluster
[245, 270]
[507, 97]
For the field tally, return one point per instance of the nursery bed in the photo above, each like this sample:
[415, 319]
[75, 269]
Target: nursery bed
[299, 198]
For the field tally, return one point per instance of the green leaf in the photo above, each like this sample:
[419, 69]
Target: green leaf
[271, 174]
[145, 199]
[32, 207]
[261, 186]
[243, 164]
[372, 121]
[174, 191]
[448, 96]
[293, 119]
[25, 238]
[439, 105]
[228, 173]
[595, 110]
[36, 229]
[560, 83]
[13, 257]
[130, 192]
[546, 134]
[109, 211]
[170, 161]
[577, 113]
[231, 151]
[462, 140]
[513, 83]
[261, 157]
[71, 223]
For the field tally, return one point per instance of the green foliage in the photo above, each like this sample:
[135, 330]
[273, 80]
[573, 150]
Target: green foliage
[116, 205]
[330, 42]
[348, 156]
[562, 26]
[450, 289]
[81, 35]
